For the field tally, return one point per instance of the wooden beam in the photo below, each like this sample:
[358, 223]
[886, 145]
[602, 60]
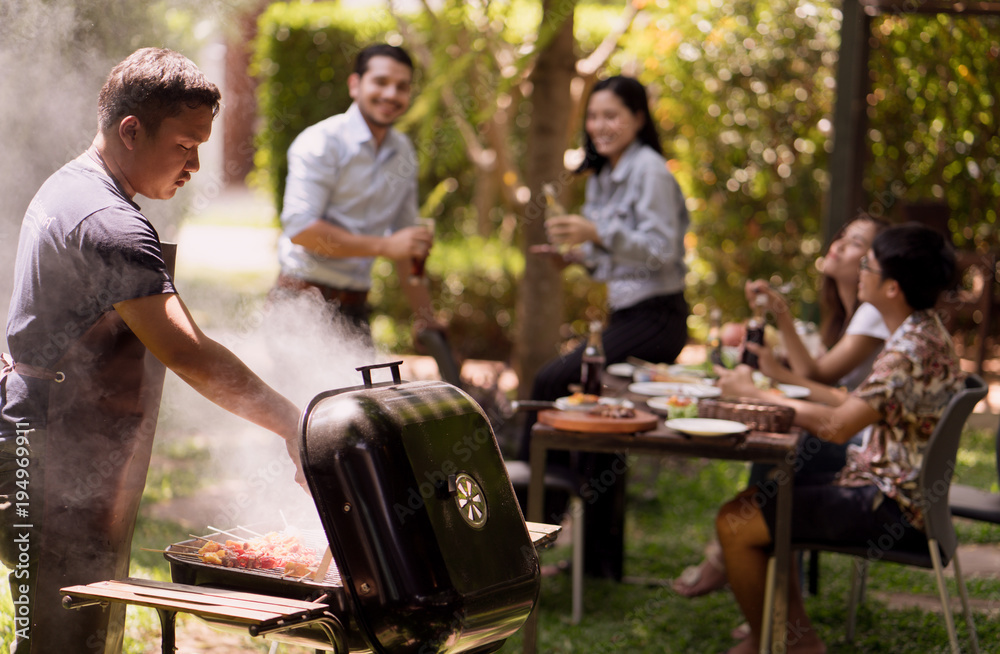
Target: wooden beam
[875, 7]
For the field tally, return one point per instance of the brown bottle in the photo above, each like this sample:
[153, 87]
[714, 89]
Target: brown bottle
[755, 330]
[593, 361]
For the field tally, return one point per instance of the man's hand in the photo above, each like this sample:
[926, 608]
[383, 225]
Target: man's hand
[292, 447]
[408, 242]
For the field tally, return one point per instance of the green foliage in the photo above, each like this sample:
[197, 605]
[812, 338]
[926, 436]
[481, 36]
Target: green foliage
[743, 95]
[933, 128]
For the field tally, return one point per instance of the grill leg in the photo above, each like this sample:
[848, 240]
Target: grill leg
[168, 622]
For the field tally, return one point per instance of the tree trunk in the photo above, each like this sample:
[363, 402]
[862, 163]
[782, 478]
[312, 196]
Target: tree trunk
[540, 300]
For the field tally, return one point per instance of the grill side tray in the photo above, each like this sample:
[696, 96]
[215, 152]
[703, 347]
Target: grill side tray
[424, 525]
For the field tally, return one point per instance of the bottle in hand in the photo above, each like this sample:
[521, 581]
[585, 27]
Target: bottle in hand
[593, 361]
[755, 330]
[417, 263]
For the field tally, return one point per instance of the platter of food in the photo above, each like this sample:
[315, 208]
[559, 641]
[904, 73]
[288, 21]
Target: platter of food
[578, 402]
[605, 418]
[284, 552]
[706, 426]
[660, 389]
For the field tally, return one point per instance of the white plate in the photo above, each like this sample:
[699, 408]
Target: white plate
[706, 426]
[673, 388]
[794, 392]
[621, 369]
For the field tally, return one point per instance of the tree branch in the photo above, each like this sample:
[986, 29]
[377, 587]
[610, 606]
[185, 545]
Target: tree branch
[588, 67]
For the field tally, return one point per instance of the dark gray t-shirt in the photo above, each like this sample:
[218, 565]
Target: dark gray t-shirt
[84, 246]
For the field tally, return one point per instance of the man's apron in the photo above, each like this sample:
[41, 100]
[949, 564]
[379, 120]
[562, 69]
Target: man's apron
[94, 457]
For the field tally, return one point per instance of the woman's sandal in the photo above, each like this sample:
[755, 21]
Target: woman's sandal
[704, 578]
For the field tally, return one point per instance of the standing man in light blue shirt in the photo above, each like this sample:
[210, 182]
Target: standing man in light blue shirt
[351, 195]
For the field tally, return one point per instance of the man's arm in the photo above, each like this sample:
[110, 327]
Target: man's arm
[165, 326]
[328, 240]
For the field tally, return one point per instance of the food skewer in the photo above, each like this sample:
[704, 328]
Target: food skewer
[229, 533]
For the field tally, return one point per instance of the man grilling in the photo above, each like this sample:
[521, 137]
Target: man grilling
[92, 300]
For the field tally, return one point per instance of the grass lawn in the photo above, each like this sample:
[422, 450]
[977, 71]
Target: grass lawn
[670, 517]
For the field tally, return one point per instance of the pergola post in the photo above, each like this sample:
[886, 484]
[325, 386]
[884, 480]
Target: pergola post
[850, 120]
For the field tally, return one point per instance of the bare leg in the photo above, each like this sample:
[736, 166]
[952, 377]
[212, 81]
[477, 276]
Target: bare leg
[745, 541]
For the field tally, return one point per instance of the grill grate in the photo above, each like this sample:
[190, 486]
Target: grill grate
[186, 552]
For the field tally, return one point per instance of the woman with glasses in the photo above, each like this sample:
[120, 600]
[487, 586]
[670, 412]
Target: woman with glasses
[853, 332]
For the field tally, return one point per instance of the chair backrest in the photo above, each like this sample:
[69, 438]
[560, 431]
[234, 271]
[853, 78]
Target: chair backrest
[998, 451]
[939, 464]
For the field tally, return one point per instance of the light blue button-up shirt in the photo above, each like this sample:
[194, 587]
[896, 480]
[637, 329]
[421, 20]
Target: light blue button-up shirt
[641, 217]
[336, 173]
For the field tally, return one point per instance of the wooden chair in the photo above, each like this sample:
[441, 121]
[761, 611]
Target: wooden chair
[942, 542]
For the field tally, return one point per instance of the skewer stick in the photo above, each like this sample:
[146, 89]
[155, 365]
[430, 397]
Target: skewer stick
[192, 547]
[227, 533]
[324, 565]
[250, 531]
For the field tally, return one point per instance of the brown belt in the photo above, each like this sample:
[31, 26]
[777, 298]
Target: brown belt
[345, 297]
[25, 370]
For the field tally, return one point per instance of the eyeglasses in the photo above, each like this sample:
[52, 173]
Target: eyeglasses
[865, 264]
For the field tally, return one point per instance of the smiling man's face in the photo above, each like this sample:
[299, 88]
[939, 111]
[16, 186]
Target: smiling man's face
[383, 92]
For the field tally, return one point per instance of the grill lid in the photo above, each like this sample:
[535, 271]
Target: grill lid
[420, 514]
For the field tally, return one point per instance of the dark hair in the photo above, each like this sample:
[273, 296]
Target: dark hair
[380, 50]
[633, 96]
[834, 316]
[919, 259]
[152, 84]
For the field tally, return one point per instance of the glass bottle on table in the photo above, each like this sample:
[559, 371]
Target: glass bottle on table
[755, 330]
[593, 361]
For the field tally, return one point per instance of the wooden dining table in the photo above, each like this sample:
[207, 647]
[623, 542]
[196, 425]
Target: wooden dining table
[775, 449]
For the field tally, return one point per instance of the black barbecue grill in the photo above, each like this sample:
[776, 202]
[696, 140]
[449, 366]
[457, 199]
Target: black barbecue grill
[430, 551]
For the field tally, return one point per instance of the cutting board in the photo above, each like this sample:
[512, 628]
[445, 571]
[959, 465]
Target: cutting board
[584, 422]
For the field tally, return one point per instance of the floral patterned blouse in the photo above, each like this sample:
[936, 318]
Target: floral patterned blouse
[911, 382]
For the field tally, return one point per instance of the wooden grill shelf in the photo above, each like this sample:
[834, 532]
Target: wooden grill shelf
[260, 614]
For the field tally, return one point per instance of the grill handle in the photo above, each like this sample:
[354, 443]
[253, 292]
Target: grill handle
[320, 617]
[366, 372]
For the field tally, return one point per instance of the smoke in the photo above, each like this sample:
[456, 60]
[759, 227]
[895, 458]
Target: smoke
[298, 347]
[48, 87]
